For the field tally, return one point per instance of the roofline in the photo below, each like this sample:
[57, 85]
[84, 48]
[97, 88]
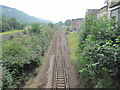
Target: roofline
[78, 18]
[115, 4]
[92, 9]
[103, 7]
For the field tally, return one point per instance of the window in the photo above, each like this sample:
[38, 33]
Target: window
[119, 14]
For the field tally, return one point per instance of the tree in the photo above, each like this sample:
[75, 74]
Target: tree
[67, 22]
[50, 25]
[10, 24]
[13, 23]
[5, 25]
[36, 28]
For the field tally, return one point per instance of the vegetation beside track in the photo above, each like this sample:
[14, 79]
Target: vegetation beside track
[23, 53]
[73, 43]
[98, 53]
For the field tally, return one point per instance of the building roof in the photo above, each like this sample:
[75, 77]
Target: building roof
[103, 7]
[112, 3]
[78, 19]
[92, 11]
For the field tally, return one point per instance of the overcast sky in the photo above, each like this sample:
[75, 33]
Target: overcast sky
[54, 10]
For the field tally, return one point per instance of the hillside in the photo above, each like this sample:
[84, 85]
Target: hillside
[20, 16]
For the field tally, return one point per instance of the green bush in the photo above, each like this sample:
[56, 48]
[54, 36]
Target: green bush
[22, 54]
[14, 57]
[99, 53]
[36, 28]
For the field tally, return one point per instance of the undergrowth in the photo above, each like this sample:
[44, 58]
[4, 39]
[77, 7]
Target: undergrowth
[73, 43]
[22, 54]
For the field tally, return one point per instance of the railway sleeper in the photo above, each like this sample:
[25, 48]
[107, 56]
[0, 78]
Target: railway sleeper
[60, 81]
[61, 85]
[60, 76]
[60, 71]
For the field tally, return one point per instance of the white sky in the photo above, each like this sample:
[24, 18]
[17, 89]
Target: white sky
[54, 10]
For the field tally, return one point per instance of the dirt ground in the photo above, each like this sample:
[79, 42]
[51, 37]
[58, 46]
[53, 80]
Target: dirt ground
[45, 75]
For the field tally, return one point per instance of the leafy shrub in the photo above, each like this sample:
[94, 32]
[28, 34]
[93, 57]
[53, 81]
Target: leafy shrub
[22, 54]
[99, 53]
[36, 28]
[14, 58]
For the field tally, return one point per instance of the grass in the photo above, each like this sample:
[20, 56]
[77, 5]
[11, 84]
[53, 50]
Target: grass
[10, 32]
[73, 43]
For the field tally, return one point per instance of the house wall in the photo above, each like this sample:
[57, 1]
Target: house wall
[115, 12]
[76, 23]
[119, 14]
[103, 10]
[111, 3]
[113, 9]
[103, 14]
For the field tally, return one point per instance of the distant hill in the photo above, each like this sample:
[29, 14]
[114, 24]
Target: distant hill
[20, 16]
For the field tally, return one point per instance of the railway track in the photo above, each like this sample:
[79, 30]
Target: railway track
[60, 75]
[60, 79]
